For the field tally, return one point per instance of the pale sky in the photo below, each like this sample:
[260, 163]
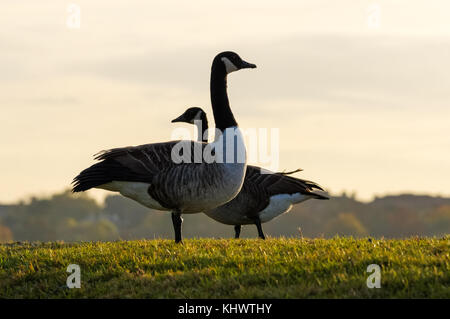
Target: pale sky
[360, 107]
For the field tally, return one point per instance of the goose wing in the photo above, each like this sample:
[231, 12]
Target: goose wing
[144, 163]
[278, 183]
[147, 159]
[260, 185]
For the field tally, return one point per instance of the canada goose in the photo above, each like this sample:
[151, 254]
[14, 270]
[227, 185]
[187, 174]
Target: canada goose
[264, 195]
[159, 177]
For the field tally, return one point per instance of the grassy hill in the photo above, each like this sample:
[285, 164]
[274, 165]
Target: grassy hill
[246, 268]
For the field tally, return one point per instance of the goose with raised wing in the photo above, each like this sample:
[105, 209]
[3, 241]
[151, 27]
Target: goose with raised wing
[179, 176]
[264, 194]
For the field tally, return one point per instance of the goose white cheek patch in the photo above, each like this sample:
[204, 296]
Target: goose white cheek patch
[229, 66]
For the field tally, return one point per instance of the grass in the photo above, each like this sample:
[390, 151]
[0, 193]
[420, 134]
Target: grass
[226, 268]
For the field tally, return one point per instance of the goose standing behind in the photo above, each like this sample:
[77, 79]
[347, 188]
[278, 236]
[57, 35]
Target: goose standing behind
[263, 196]
[149, 175]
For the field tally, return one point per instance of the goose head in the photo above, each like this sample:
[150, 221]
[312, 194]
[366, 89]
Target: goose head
[229, 61]
[191, 115]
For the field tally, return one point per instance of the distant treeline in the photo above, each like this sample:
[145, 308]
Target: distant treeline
[80, 218]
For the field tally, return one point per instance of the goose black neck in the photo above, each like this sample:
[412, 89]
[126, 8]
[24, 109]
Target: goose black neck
[223, 116]
[204, 119]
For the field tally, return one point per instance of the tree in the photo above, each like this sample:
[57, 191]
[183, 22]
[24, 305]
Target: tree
[5, 234]
[345, 224]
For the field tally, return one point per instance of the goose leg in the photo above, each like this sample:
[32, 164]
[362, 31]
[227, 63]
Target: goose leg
[237, 231]
[260, 230]
[177, 221]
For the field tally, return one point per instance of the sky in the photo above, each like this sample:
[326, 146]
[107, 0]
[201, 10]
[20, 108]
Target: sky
[359, 90]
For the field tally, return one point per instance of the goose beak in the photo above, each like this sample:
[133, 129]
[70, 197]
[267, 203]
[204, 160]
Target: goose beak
[179, 119]
[246, 65]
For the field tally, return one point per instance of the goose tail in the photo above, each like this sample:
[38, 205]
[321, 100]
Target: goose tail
[305, 187]
[98, 174]
[319, 194]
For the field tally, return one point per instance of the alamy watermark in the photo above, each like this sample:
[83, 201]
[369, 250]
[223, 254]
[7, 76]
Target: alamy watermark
[74, 279]
[73, 20]
[374, 16]
[255, 145]
[374, 280]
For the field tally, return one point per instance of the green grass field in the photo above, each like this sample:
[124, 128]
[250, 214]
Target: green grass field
[227, 268]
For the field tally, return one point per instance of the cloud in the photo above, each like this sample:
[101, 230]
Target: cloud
[340, 93]
[376, 71]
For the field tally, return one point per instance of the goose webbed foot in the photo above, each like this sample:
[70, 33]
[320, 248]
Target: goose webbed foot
[260, 230]
[177, 222]
[237, 231]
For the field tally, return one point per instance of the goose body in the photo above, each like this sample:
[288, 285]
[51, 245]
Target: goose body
[264, 194]
[147, 174]
[175, 176]
[263, 197]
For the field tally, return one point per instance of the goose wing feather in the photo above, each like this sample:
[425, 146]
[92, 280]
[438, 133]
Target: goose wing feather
[144, 163]
[145, 159]
[278, 183]
[258, 187]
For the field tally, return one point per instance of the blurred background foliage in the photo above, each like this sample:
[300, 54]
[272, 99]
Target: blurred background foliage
[69, 217]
